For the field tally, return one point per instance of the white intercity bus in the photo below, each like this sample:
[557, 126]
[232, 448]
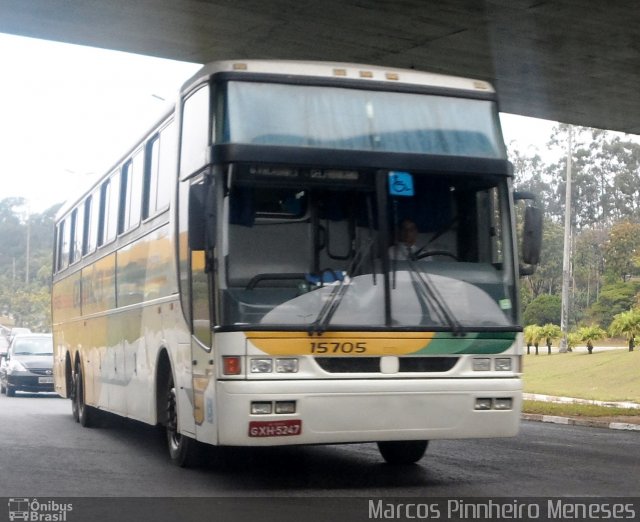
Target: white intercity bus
[234, 277]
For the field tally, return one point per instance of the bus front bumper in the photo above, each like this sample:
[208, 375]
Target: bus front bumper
[342, 411]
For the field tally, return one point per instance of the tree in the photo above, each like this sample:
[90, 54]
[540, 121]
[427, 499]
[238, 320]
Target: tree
[548, 276]
[588, 265]
[627, 324]
[613, 299]
[27, 303]
[532, 336]
[621, 250]
[588, 334]
[573, 338]
[543, 309]
[550, 332]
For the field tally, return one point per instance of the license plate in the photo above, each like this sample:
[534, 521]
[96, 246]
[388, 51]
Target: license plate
[283, 428]
[45, 380]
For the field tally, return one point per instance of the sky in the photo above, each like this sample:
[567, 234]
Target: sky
[68, 113]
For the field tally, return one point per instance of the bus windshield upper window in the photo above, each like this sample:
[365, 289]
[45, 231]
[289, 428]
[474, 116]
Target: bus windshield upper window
[356, 119]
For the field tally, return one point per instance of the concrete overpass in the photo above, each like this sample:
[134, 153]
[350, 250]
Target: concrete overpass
[576, 61]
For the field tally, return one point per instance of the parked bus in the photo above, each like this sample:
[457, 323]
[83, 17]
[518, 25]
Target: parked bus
[233, 278]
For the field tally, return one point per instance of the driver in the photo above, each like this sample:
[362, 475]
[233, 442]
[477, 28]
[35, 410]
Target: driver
[406, 247]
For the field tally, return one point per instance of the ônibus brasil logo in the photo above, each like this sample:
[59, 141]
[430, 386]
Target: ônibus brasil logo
[33, 510]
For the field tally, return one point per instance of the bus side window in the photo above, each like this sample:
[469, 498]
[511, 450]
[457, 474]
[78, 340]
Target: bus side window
[109, 210]
[92, 221]
[62, 260]
[159, 171]
[77, 231]
[195, 132]
[131, 193]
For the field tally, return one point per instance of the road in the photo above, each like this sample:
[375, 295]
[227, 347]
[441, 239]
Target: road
[44, 453]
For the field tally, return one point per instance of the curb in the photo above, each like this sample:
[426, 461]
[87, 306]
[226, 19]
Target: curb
[580, 422]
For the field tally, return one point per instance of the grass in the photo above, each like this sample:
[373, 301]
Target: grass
[577, 410]
[605, 376]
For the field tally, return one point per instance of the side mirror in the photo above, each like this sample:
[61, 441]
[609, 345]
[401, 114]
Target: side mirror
[531, 234]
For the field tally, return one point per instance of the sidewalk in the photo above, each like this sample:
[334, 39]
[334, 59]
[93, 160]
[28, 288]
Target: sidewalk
[614, 423]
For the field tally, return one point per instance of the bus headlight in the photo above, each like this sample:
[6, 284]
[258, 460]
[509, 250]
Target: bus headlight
[285, 407]
[483, 404]
[286, 365]
[502, 404]
[503, 365]
[481, 365]
[261, 408]
[261, 366]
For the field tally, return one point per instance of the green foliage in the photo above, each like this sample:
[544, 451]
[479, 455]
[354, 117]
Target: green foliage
[28, 303]
[626, 324]
[573, 338]
[588, 334]
[605, 218]
[614, 299]
[591, 333]
[548, 276]
[550, 332]
[577, 410]
[621, 249]
[532, 334]
[543, 309]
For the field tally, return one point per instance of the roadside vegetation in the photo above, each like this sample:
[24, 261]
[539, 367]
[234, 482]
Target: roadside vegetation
[611, 375]
[605, 258]
[578, 410]
[25, 265]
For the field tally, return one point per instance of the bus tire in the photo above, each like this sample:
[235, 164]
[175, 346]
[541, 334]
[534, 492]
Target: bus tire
[11, 391]
[402, 451]
[184, 451]
[72, 396]
[85, 414]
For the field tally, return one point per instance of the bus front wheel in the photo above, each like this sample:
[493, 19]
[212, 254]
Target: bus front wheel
[403, 451]
[183, 451]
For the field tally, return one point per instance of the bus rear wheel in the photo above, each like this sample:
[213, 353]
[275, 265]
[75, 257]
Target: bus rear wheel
[85, 415]
[183, 451]
[402, 451]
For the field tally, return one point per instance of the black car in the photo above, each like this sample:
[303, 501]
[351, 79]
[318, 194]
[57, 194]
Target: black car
[28, 365]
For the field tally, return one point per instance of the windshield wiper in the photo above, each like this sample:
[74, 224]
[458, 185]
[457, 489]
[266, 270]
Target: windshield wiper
[432, 296]
[337, 293]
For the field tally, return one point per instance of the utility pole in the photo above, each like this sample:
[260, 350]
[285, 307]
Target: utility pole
[28, 253]
[566, 258]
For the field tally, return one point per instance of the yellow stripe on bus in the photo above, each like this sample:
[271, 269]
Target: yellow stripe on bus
[339, 343]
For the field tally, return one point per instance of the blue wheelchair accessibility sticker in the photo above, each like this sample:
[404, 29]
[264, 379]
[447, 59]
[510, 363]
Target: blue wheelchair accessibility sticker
[400, 183]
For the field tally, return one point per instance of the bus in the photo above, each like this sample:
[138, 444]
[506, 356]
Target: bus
[232, 277]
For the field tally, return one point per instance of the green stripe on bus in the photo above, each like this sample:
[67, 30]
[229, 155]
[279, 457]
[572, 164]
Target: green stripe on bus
[480, 343]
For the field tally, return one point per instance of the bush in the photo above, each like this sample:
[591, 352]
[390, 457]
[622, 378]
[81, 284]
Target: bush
[543, 309]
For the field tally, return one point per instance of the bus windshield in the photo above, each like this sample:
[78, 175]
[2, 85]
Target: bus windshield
[356, 119]
[318, 255]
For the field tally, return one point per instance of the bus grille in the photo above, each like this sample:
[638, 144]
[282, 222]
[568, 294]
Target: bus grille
[372, 364]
